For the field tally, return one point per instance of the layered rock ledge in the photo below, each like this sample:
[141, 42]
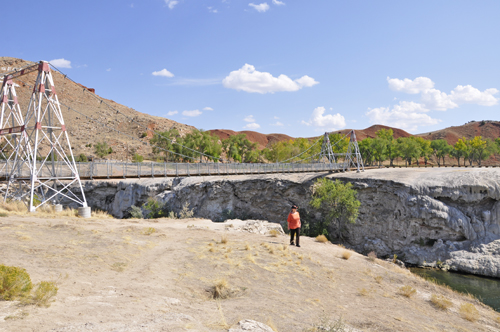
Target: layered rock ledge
[448, 216]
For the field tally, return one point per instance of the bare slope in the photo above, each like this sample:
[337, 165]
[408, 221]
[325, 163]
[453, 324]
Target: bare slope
[113, 276]
[84, 131]
[486, 129]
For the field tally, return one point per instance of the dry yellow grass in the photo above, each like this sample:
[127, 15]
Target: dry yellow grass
[379, 279]
[223, 239]
[274, 233]
[346, 254]
[441, 302]
[363, 292]
[468, 311]
[372, 256]
[321, 238]
[407, 291]
[18, 208]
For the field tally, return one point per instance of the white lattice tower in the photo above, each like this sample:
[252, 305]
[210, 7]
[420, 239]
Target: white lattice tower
[44, 167]
[326, 150]
[353, 156]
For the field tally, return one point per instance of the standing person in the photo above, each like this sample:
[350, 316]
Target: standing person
[294, 225]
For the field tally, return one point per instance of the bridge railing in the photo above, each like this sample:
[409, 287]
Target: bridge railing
[115, 169]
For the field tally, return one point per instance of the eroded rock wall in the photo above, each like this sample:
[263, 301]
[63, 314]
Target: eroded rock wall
[447, 215]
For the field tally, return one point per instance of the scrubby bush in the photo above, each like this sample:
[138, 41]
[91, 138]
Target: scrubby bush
[137, 158]
[135, 212]
[440, 302]
[321, 238]
[45, 291]
[154, 209]
[407, 291]
[186, 213]
[468, 311]
[15, 283]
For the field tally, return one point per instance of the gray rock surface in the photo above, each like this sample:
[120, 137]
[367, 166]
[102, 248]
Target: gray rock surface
[249, 325]
[425, 216]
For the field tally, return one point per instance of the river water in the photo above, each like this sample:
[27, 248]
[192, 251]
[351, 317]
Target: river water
[485, 289]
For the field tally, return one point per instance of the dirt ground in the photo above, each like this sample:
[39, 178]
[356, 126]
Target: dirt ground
[156, 275]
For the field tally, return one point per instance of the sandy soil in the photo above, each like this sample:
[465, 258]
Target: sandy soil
[113, 276]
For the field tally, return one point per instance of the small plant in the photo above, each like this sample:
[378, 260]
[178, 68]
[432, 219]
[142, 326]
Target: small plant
[154, 208]
[468, 311]
[363, 292]
[346, 254]
[223, 239]
[372, 256]
[137, 158]
[321, 238]
[4, 214]
[378, 279]
[394, 258]
[407, 291]
[143, 135]
[274, 233]
[118, 266]
[15, 283]
[149, 231]
[441, 302]
[102, 149]
[135, 212]
[220, 289]
[172, 215]
[186, 213]
[45, 291]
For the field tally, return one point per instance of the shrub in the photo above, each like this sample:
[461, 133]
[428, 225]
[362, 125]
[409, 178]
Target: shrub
[172, 215]
[346, 254]
[137, 158]
[468, 311]
[321, 238]
[440, 302]
[44, 292]
[135, 212]
[223, 239]
[154, 209]
[15, 283]
[102, 149]
[407, 291]
[186, 213]
[372, 256]
[82, 158]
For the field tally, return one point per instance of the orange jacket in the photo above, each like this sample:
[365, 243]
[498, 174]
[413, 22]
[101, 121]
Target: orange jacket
[293, 220]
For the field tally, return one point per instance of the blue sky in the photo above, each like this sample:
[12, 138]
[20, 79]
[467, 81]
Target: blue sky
[294, 67]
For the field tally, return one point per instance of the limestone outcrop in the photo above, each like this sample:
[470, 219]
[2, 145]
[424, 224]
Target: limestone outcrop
[425, 216]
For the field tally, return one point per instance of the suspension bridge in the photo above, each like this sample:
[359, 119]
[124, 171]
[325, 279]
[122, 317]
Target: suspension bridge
[37, 165]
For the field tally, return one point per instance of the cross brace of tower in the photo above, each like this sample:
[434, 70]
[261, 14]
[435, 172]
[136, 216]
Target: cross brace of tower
[35, 150]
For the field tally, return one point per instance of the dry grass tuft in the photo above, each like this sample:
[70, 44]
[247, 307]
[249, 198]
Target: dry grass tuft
[441, 302]
[407, 291]
[468, 311]
[15, 283]
[148, 231]
[363, 292]
[271, 324]
[372, 256]
[44, 292]
[223, 239]
[274, 233]
[346, 254]
[248, 247]
[321, 238]
[379, 279]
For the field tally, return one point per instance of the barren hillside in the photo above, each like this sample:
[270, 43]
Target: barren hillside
[486, 129]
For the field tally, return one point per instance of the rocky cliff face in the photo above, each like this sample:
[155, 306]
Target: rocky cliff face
[425, 216]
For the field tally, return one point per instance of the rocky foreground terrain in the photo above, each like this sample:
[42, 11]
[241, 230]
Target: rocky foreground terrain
[161, 275]
[440, 216]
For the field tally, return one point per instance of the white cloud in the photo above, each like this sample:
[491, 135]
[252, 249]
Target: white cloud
[192, 113]
[250, 80]
[61, 63]
[249, 118]
[277, 124]
[261, 8]
[208, 109]
[278, 3]
[109, 69]
[163, 72]
[440, 101]
[470, 95]
[276, 117]
[437, 100]
[406, 115]
[172, 113]
[171, 3]
[212, 10]
[413, 87]
[328, 121]
[252, 126]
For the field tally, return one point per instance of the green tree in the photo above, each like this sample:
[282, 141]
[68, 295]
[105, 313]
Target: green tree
[365, 148]
[408, 149]
[163, 143]
[460, 149]
[391, 145]
[379, 150]
[440, 149]
[338, 201]
[102, 149]
[425, 148]
[239, 148]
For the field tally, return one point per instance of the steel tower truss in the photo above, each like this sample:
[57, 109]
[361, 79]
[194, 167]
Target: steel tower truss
[39, 163]
[352, 158]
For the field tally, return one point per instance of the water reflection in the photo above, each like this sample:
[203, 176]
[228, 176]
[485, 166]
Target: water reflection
[485, 289]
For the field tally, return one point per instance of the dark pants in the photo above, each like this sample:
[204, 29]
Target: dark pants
[293, 232]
